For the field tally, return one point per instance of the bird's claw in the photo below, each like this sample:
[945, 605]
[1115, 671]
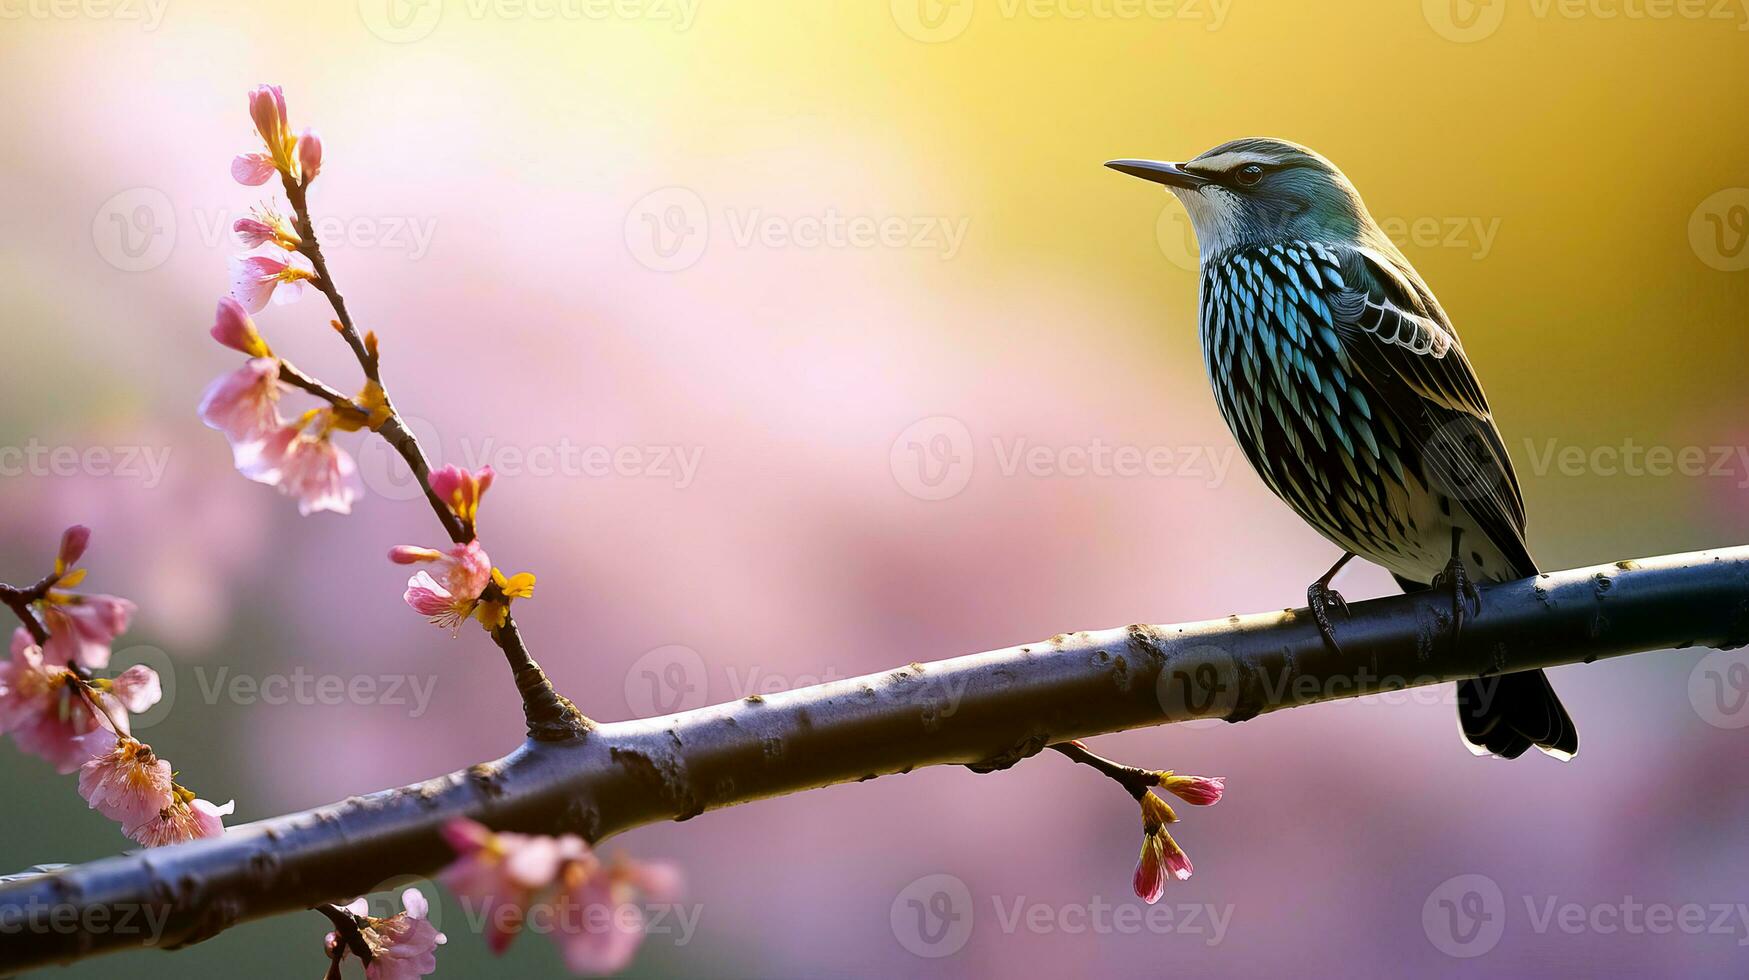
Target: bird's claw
[1466, 601]
[1319, 598]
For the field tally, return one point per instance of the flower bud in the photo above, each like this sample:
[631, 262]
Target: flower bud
[233, 328]
[309, 154]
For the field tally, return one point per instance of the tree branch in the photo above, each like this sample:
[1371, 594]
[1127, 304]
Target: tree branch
[987, 710]
[550, 715]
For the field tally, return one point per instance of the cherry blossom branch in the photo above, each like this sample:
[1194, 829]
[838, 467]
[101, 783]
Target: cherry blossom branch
[291, 375]
[1135, 781]
[550, 716]
[19, 601]
[988, 710]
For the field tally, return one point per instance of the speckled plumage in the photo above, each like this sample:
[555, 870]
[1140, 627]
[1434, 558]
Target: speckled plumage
[1300, 339]
[1346, 386]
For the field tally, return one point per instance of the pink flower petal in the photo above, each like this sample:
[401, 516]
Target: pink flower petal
[137, 688]
[252, 169]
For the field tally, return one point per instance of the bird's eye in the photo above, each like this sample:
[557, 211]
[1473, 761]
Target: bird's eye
[1249, 175]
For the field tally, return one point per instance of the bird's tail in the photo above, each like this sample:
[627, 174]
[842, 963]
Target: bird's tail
[1505, 714]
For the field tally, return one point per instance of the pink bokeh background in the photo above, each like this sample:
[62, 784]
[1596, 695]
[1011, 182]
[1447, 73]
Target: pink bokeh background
[498, 179]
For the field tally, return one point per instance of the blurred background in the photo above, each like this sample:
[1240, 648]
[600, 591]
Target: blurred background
[804, 339]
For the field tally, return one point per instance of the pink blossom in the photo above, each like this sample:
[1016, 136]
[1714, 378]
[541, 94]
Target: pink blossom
[263, 460]
[1161, 858]
[321, 475]
[185, 819]
[128, 783]
[447, 592]
[41, 710]
[460, 489]
[402, 946]
[244, 405]
[310, 154]
[1150, 880]
[233, 328]
[263, 226]
[74, 541]
[82, 627]
[598, 946]
[252, 232]
[1196, 790]
[252, 169]
[267, 109]
[255, 279]
[500, 873]
[137, 688]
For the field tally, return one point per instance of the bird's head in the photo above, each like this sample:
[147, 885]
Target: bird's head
[1254, 191]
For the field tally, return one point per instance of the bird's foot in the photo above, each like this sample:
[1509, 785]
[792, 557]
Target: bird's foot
[1466, 602]
[1320, 598]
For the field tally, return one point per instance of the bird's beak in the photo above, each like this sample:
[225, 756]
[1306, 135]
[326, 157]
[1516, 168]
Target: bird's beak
[1170, 174]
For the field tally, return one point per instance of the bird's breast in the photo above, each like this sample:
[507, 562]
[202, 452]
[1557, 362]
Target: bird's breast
[1308, 421]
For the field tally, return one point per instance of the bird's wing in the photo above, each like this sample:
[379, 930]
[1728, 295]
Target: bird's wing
[1396, 335]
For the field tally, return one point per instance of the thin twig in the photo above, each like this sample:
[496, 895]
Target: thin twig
[550, 716]
[1135, 781]
[347, 928]
[20, 602]
[291, 375]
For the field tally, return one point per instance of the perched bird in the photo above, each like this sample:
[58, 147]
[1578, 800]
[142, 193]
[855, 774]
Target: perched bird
[1345, 384]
